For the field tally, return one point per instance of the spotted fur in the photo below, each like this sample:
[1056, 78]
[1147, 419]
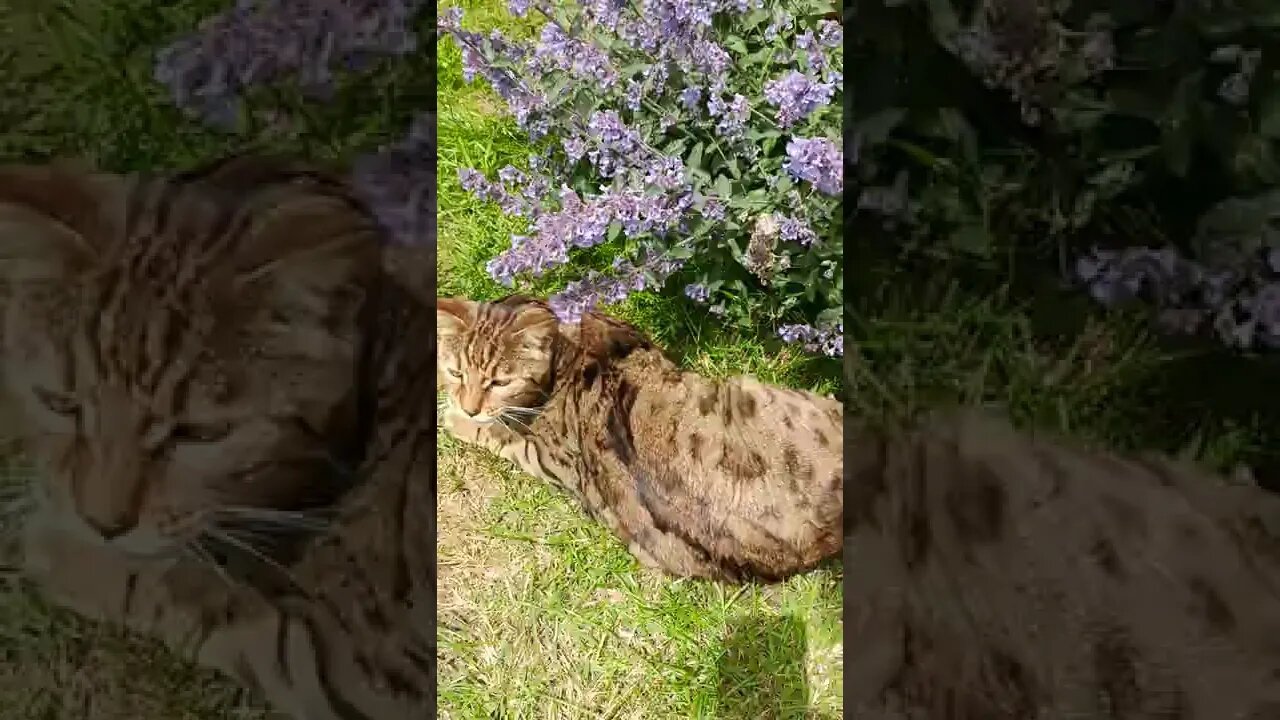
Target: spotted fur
[997, 574]
[725, 479]
[223, 389]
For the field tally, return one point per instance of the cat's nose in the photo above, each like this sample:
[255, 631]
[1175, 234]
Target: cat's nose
[111, 528]
[470, 404]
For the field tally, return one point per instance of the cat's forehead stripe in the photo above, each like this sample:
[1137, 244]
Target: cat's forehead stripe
[481, 347]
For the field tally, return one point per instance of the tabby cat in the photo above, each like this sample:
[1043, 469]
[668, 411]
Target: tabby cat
[217, 378]
[1004, 575]
[723, 479]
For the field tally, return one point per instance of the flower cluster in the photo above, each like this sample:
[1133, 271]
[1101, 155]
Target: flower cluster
[1029, 52]
[819, 161]
[666, 132]
[257, 42]
[398, 184]
[1241, 304]
[796, 96]
[581, 296]
[828, 341]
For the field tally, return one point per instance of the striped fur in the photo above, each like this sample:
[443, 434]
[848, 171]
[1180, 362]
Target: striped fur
[219, 381]
[731, 480]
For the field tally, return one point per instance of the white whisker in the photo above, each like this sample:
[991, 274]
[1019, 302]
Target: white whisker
[202, 555]
[285, 519]
[223, 535]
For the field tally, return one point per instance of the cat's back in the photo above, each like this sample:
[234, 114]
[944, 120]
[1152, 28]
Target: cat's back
[1007, 575]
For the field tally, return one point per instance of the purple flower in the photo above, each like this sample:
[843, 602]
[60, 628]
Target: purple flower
[715, 62]
[656, 75]
[632, 98]
[584, 223]
[583, 60]
[582, 296]
[781, 22]
[519, 8]
[828, 341]
[666, 172]
[474, 182]
[732, 116]
[398, 184]
[794, 333]
[830, 33]
[450, 19]
[713, 209]
[254, 44]
[798, 231]
[616, 143]
[690, 96]
[697, 292]
[574, 147]
[818, 161]
[604, 12]
[510, 175]
[797, 96]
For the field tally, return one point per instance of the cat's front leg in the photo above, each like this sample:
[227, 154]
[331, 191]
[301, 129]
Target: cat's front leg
[517, 448]
[185, 605]
[492, 436]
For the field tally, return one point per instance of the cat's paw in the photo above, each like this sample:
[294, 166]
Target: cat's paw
[80, 576]
[462, 427]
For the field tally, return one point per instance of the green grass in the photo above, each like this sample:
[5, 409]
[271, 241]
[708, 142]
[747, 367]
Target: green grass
[543, 613]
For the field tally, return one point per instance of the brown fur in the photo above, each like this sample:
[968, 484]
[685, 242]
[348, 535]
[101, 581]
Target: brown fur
[220, 386]
[1001, 575]
[698, 477]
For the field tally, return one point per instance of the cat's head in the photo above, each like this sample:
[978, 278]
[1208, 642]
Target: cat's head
[181, 353]
[495, 359]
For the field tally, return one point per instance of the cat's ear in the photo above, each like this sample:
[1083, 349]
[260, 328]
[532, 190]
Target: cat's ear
[535, 329]
[312, 249]
[51, 218]
[453, 316]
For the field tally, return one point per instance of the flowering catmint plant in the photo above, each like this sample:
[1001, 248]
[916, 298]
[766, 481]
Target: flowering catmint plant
[689, 138]
[1241, 307]
[257, 42]
[398, 184]
[1232, 290]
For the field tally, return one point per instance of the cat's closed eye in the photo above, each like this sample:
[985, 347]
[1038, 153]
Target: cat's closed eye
[200, 432]
[454, 373]
[58, 403]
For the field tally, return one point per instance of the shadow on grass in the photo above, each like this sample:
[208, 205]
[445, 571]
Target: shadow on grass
[762, 670]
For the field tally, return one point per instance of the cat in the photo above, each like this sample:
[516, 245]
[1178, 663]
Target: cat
[224, 391]
[730, 480]
[999, 574]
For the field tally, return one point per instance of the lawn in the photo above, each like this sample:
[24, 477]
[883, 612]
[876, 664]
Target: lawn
[543, 614]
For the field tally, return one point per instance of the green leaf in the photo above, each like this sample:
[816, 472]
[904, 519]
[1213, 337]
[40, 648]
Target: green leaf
[694, 161]
[875, 128]
[1269, 115]
[723, 186]
[972, 239]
